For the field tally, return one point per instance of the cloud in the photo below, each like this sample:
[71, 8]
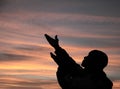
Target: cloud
[1, 2]
[80, 25]
[59, 23]
[17, 83]
[62, 23]
[98, 42]
[29, 47]
[5, 57]
[65, 6]
[12, 82]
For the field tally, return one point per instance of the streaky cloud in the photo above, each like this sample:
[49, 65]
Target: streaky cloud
[5, 57]
[29, 47]
[12, 82]
[64, 6]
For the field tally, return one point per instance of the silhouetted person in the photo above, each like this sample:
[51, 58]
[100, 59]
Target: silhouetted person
[89, 75]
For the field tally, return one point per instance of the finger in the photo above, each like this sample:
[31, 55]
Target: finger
[56, 38]
[50, 40]
[52, 55]
[54, 58]
[46, 35]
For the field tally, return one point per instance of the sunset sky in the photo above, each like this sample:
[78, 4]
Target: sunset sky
[81, 26]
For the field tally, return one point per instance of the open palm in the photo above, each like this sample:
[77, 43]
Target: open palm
[53, 42]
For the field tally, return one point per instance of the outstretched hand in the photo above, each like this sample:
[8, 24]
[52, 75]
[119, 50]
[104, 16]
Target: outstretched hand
[53, 42]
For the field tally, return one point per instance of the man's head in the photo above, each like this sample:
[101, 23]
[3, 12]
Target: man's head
[96, 60]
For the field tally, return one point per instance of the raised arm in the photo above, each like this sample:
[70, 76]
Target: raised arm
[66, 65]
[61, 57]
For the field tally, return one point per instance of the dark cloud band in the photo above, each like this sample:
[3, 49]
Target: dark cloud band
[5, 57]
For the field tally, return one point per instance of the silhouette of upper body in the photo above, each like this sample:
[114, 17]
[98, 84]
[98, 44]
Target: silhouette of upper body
[88, 75]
